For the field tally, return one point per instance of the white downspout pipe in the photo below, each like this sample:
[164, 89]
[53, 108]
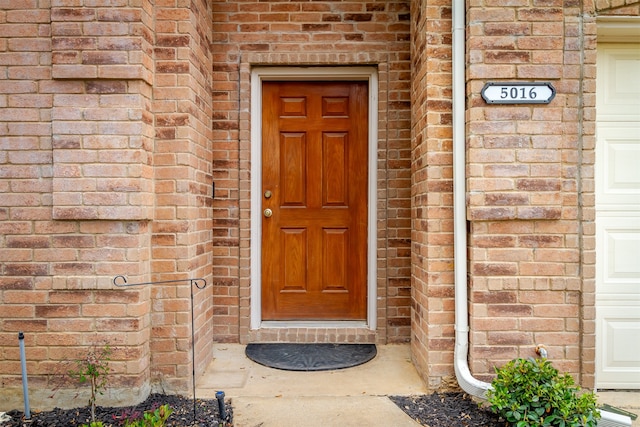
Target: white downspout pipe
[466, 381]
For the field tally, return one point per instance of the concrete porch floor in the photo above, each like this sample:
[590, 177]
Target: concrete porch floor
[354, 397]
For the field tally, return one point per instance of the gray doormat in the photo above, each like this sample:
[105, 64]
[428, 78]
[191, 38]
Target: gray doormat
[310, 357]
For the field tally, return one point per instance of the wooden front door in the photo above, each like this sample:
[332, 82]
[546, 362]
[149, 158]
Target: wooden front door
[314, 200]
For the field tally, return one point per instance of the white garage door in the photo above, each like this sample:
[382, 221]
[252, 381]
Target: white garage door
[618, 217]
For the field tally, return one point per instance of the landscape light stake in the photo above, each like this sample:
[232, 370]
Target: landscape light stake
[23, 365]
[198, 283]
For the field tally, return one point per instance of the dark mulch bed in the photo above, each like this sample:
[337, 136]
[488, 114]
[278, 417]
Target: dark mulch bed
[207, 414]
[433, 410]
[447, 410]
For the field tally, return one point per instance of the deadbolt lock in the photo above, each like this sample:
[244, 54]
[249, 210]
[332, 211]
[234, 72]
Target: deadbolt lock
[267, 194]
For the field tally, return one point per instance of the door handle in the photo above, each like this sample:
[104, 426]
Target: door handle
[268, 212]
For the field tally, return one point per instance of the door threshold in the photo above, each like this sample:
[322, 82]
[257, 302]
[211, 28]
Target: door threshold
[281, 324]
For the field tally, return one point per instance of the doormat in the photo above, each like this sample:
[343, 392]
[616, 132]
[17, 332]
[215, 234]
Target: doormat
[310, 357]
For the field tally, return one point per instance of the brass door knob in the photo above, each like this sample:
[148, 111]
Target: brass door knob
[268, 212]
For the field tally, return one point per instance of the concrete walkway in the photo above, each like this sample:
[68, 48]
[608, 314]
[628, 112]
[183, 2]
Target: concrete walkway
[353, 397]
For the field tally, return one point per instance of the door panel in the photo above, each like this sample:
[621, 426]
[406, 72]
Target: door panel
[314, 243]
[618, 149]
[334, 165]
[619, 90]
[618, 218]
[294, 164]
[618, 326]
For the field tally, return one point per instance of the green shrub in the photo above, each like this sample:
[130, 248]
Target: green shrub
[531, 393]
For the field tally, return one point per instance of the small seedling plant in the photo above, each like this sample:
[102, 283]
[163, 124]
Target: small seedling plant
[532, 393]
[94, 369]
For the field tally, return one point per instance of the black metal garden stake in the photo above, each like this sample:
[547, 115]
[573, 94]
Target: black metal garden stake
[198, 283]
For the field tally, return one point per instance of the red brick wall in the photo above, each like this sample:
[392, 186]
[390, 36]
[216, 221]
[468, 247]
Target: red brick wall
[101, 129]
[529, 188]
[613, 7]
[524, 170]
[105, 136]
[308, 33]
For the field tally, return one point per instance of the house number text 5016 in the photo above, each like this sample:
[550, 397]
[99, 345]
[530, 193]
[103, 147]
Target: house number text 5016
[518, 93]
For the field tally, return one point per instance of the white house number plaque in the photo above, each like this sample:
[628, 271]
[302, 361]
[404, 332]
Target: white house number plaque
[518, 93]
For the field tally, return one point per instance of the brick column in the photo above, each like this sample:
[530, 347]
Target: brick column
[181, 241]
[523, 187]
[78, 142]
[432, 186]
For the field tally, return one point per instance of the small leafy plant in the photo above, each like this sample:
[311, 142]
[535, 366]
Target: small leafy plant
[153, 418]
[531, 393]
[94, 369]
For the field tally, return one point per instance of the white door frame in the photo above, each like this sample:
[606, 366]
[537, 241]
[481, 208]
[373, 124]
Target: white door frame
[258, 75]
